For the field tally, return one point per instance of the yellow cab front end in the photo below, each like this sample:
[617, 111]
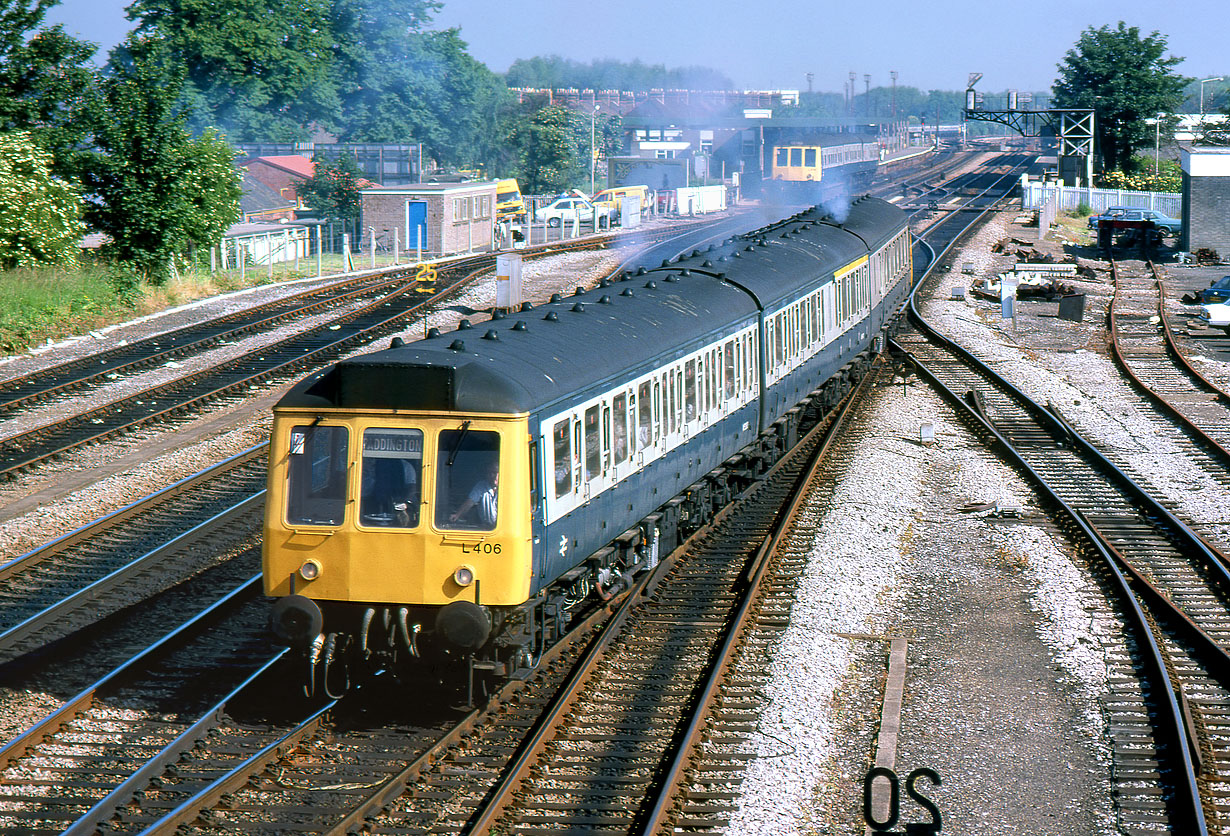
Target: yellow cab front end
[389, 510]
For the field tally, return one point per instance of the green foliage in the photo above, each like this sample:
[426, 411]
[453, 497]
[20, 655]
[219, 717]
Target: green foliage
[152, 187]
[40, 215]
[43, 79]
[1125, 79]
[333, 189]
[1083, 210]
[41, 304]
[551, 156]
[552, 71]
[258, 69]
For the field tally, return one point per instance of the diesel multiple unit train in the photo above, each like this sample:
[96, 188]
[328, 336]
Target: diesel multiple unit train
[455, 499]
[822, 170]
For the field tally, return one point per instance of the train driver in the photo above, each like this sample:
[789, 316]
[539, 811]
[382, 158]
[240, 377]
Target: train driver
[483, 497]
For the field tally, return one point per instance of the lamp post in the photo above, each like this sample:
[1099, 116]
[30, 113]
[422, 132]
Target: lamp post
[592, 151]
[1203, 82]
[1157, 139]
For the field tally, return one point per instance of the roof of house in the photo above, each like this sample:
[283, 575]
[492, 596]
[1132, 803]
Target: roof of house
[257, 197]
[296, 164]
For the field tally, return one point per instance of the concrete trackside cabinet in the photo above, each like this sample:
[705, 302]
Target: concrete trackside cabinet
[1206, 198]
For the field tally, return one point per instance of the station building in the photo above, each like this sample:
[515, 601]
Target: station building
[442, 218]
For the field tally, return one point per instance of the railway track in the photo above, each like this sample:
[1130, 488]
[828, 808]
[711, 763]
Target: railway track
[76, 580]
[1170, 697]
[327, 773]
[1146, 349]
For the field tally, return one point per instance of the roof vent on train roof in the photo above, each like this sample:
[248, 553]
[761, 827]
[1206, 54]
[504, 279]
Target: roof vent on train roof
[627, 291]
[580, 291]
[605, 299]
[498, 314]
[521, 326]
[396, 342]
[464, 325]
[555, 297]
[737, 254]
[527, 306]
[722, 276]
[706, 263]
[785, 234]
[606, 282]
[722, 259]
[552, 316]
[750, 248]
[685, 272]
[695, 254]
[579, 307]
[457, 345]
[651, 284]
[711, 248]
[491, 335]
[666, 262]
[640, 271]
[670, 277]
[433, 332]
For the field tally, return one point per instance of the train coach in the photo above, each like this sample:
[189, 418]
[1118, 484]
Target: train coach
[820, 171]
[447, 504]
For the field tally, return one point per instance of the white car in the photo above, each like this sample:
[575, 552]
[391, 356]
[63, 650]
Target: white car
[1215, 315]
[568, 209]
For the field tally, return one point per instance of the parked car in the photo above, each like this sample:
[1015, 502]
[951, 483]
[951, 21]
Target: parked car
[1218, 291]
[1216, 315]
[1164, 223]
[568, 209]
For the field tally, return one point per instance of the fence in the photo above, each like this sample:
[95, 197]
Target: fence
[1035, 194]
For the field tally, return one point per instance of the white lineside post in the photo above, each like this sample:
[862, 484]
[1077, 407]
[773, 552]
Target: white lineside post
[418, 241]
[373, 246]
[319, 245]
[396, 245]
[269, 252]
[508, 281]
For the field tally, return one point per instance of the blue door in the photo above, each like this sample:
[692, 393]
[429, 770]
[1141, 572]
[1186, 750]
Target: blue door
[416, 224]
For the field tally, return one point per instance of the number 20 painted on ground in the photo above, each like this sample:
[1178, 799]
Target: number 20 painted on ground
[894, 789]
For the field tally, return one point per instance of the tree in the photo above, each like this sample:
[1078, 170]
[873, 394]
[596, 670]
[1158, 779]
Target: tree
[40, 215]
[258, 69]
[550, 152]
[1125, 79]
[43, 79]
[152, 187]
[333, 189]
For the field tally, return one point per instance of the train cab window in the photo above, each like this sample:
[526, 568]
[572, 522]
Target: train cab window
[809, 158]
[593, 443]
[644, 423]
[389, 477]
[561, 446]
[782, 156]
[619, 426]
[467, 479]
[316, 482]
[796, 156]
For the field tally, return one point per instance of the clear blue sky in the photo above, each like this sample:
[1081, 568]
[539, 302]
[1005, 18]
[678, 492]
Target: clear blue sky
[930, 45]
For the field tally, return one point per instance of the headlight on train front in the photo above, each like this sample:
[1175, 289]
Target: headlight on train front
[463, 576]
[310, 570]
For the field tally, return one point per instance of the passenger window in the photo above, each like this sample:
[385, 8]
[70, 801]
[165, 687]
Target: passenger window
[809, 158]
[389, 494]
[708, 388]
[781, 157]
[689, 389]
[316, 480]
[593, 443]
[467, 479]
[796, 156]
[562, 447]
[730, 371]
[619, 406]
[644, 428]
